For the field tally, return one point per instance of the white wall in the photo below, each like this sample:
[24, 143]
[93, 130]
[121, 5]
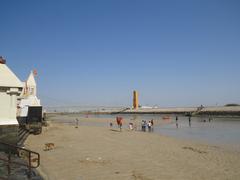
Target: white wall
[8, 105]
[4, 104]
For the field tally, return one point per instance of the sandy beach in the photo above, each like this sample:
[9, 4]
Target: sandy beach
[92, 152]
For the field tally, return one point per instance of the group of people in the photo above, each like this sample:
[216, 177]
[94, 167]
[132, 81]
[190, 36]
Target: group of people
[144, 125]
[148, 125]
[190, 121]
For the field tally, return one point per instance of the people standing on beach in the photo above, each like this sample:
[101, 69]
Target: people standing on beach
[176, 121]
[149, 126]
[152, 124]
[119, 122]
[209, 119]
[144, 125]
[111, 124]
[135, 126]
[76, 123]
[189, 120]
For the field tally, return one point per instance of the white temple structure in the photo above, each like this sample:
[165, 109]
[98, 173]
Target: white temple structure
[28, 96]
[19, 105]
[10, 90]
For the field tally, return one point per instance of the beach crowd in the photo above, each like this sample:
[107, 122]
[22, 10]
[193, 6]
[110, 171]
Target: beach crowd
[145, 126]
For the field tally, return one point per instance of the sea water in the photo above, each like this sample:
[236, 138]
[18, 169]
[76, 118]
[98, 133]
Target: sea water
[217, 131]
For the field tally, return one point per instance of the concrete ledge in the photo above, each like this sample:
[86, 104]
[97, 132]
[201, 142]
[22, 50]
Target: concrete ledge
[6, 121]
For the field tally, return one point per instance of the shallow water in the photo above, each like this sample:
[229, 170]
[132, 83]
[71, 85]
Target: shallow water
[219, 131]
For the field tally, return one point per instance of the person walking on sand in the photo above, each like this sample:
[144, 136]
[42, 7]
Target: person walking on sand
[119, 122]
[143, 125]
[149, 126]
[176, 121]
[189, 121]
[111, 124]
[209, 119]
[76, 123]
[152, 124]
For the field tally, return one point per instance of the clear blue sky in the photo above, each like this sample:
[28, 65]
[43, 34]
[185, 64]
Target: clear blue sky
[96, 52]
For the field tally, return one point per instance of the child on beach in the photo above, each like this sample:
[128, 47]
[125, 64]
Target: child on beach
[131, 126]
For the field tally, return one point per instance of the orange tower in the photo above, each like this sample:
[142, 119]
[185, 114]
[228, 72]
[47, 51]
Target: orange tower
[135, 99]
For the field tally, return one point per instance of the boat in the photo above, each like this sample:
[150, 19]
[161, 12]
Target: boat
[166, 117]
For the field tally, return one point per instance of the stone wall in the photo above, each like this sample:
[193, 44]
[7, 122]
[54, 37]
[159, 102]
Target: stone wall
[9, 133]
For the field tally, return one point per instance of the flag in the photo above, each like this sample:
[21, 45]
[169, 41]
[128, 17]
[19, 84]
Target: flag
[35, 72]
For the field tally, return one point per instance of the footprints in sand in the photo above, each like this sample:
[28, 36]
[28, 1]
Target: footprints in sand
[137, 176]
[195, 150]
[134, 175]
[90, 161]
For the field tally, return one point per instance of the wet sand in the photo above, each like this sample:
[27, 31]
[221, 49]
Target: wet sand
[91, 152]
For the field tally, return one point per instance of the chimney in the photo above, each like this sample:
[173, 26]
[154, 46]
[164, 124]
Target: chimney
[2, 61]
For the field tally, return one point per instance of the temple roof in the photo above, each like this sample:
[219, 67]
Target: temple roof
[31, 80]
[8, 78]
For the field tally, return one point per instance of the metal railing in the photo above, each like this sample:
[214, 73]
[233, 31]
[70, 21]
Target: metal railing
[30, 158]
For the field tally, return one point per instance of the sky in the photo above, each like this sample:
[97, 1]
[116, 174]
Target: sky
[92, 53]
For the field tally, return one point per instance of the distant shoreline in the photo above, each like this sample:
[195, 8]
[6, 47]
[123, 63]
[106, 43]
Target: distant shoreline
[232, 111]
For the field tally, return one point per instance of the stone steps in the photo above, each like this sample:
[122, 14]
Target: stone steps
[22, 136]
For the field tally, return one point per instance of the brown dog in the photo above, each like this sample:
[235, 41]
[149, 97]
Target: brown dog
[49, 146]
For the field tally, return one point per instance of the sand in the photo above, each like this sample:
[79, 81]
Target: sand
[95, 153]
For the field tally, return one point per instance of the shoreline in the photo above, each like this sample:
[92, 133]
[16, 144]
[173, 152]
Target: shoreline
[161, 126]
[103, 153]
[232, 111]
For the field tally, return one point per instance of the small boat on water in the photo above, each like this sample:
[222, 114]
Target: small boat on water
[166, 117]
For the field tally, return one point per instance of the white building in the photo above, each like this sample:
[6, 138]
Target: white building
[28, 98]
[10, 90]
